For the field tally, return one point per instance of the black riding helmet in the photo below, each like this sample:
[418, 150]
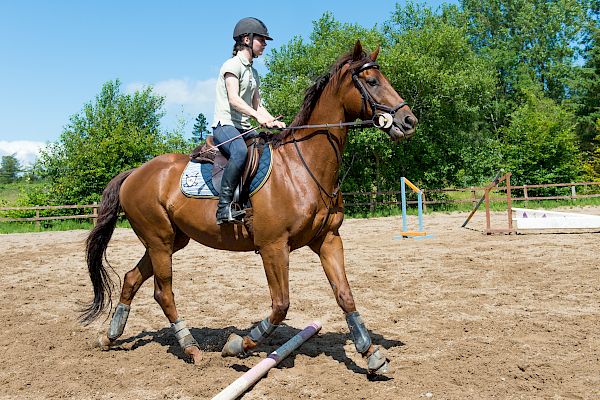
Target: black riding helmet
[251, 26]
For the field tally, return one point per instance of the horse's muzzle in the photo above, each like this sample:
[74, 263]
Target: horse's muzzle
[404, 125]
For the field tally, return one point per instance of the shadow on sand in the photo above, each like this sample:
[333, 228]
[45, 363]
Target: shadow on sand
[213, 339]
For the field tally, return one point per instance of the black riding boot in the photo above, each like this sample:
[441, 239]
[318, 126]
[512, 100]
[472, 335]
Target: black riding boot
[228, 184]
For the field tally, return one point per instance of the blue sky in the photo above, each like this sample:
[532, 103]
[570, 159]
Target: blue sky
[57, 55]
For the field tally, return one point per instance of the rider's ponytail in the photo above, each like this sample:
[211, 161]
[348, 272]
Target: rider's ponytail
[239, 44]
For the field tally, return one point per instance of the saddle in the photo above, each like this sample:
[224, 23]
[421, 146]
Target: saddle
[208, 152]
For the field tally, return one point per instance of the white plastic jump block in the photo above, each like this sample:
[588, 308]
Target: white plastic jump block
[541, 219]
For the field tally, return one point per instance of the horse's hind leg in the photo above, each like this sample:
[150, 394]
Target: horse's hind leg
[158, 263]
[131, 283]
[331, 253]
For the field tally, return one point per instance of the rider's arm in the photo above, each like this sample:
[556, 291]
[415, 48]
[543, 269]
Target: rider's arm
[233, 87]
[260, 114]
[257, 104]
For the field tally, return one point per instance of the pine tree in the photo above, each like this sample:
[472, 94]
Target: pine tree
[200, 131]
[9, 169]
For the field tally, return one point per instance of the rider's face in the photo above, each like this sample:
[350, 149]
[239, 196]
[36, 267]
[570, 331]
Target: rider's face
[259, 44]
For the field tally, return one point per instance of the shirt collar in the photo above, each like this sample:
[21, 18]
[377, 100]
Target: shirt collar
[244, 60]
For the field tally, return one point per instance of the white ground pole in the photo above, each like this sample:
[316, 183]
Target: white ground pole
[241, 384]
[542, 219]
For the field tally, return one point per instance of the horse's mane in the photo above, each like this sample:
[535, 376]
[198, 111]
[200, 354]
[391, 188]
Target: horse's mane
[313, 93]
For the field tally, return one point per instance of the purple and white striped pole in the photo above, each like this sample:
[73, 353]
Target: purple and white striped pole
[241, 384]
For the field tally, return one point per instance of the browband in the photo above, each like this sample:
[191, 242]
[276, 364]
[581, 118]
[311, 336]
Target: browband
[368, 65]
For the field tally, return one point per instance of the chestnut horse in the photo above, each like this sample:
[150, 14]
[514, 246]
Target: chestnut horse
[300, 205]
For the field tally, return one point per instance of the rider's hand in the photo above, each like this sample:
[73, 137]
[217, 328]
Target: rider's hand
[265, 119]
[276, 124]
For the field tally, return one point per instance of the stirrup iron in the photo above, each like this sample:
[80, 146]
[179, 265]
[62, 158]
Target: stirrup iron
[233, 215]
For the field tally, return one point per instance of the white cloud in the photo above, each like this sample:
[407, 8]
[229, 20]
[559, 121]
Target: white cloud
[26, 151]
[193, 94]
[183, 97]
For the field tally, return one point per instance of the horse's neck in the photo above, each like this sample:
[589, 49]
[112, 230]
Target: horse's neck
[322, 151]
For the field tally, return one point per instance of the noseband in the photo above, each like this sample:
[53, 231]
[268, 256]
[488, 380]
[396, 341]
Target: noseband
[383, 119]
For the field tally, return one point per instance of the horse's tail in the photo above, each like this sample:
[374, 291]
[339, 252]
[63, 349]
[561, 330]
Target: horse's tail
[95, 247]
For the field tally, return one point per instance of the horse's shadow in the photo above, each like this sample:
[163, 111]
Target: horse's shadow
[213, 339]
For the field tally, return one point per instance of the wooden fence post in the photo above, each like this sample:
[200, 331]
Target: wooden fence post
[488, 222]
[37, 219]
[95, 214]
[509, 202]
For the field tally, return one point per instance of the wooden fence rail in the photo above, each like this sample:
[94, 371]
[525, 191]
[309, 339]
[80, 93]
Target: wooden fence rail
[474, 196]
[372, 202]
[38, 218]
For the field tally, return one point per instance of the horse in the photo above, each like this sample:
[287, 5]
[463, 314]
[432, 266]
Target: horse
[305, 178]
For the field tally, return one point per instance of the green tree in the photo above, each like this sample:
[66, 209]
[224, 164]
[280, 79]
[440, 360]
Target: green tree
[452, 91]
[200, 129]
[9, 169]
[540, 143]
[115, 132]
[432, 65]
[586, 99]
[535, 46]
[592, 166]
[531, 42]
[478, 79]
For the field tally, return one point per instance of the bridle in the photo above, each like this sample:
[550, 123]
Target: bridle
[384, 119]
[382, 116]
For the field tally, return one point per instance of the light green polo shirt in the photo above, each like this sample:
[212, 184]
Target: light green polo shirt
[239, 66]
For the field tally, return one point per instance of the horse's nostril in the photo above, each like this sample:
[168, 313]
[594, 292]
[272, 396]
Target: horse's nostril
[410, 121]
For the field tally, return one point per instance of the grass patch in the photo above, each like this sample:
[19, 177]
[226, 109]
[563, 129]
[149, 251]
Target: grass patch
[51, 226]
[9, 193]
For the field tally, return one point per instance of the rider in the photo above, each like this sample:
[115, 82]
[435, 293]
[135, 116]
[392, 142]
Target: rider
[238, 99]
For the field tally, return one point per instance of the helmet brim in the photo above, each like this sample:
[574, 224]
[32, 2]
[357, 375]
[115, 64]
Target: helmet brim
[265, 36]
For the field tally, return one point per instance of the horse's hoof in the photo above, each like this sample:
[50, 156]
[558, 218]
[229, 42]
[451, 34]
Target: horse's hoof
[234, 346]
[384, 369]
[103, 342]
[195, 354]
[377, 364]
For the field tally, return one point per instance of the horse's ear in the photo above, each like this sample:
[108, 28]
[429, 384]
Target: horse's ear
[357, 52]
[375, 53]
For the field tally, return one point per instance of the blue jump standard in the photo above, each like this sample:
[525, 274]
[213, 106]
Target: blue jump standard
[411, 235]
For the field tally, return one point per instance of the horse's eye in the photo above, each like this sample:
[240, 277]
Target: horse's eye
[372, 81]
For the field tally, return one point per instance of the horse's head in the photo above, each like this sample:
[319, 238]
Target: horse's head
[373, 97]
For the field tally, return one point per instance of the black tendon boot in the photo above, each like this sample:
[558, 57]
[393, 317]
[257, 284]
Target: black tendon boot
[228, 183]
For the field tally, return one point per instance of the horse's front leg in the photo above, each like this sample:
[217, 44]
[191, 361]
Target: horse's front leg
[331, 253]
[275, 258]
